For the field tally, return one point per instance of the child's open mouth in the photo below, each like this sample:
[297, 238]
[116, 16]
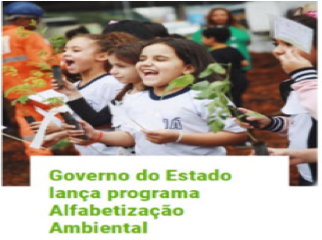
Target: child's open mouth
[70, 64]
[149, 73]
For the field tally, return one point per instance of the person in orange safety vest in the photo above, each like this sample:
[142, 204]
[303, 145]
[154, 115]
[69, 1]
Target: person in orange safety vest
[24, 50]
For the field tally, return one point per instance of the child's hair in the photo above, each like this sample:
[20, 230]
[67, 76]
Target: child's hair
[76, 31]
[190, 53]
[308, 21]
[132, 27]
[232, 21]
[107, 42]
[129, 53]
[157, 29]
[221, 34]
[175, 35]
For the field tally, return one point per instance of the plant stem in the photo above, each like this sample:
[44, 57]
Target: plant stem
[253, 139]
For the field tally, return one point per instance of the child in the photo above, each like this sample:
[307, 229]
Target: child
[184, 118]
[301, 127]
[87, 55]
[215, 37]
[122, 60]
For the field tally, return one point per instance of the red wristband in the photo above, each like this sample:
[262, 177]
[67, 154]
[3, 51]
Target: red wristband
[101, 134]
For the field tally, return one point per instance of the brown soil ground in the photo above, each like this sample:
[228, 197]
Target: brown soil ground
[262, 96]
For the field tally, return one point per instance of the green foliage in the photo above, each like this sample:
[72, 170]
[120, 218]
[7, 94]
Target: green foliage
[63, 143]
[23, 100]
[22, 32]
[215, 91]
[42, 66]
[58, 43]
[33, 22]
[43, 31]
[216, 125]
[25, 88]
[255, 114]
[10, 71]
[200, 86]
[211, 69]
[180, 82]
[54, 101]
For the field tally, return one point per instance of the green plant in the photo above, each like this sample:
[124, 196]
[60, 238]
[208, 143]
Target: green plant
[35, 80]
[217, 91]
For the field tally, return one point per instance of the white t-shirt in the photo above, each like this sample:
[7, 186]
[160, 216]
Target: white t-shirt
[99, 93]
[179, 111]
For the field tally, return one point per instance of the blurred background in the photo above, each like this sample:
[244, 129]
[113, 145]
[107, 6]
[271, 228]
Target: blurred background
[183, 18]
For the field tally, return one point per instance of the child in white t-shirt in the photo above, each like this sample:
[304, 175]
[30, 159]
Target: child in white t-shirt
[184, 119]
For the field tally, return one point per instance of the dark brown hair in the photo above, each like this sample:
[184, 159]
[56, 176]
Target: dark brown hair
[107, 42]
[231, 21]
[129, 53]
[190, 53]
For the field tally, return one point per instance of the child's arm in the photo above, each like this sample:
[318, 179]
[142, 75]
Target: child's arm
[80, 106]
[119, 138]
[278, 125]
[199, 139]
[51, 128]
[297, 156]
[53, 138]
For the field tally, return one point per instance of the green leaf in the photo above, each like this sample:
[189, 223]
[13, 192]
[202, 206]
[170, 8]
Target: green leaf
[23, 100]
[58, 42]
[211, 69]
[179, 82]
[61, 144]
[37, 73]
[223, 100]
[26, 87]
[33, 22]
[216, 125]
[10, 71]
[205, 73]
[217, 68]
[206, 94]
[54, 101]
[43, 31]
[212, 108]
[219, 85]
[22, 32]
[255, 114]
[200, 86]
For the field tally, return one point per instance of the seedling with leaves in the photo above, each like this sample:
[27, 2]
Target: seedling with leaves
[218, 108]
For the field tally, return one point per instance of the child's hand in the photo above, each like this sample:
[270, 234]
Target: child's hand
[161, 136]
[262, 121]
[51, 128]
[51, 139]
[68, 89]
[292, 61]
[75, 135]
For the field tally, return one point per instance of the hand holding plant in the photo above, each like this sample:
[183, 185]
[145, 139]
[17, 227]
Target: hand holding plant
[251, 116]
[75, 135]
[51, 128]
[68, 89]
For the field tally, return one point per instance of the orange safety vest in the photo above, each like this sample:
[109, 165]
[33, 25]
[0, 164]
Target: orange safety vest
[20, 50]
